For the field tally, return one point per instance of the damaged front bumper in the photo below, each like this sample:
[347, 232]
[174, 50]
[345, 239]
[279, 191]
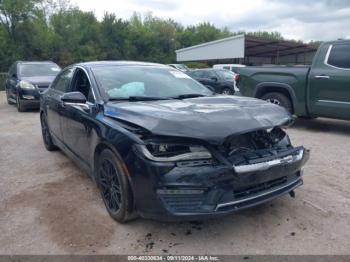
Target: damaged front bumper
[198, 190]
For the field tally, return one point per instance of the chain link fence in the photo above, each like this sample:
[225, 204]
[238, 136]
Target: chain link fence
[2, 81]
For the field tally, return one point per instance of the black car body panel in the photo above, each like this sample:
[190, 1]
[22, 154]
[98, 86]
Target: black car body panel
[178, 190]
[211, 119]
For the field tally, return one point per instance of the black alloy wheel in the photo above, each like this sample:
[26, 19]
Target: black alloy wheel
[114, 187]
[110, 186]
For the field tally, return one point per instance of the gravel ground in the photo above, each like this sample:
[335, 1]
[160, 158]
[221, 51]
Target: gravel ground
[49, 206]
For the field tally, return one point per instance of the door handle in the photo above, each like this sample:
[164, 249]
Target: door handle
[322, 77]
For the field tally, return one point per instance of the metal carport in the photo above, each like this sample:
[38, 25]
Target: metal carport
[247, 49]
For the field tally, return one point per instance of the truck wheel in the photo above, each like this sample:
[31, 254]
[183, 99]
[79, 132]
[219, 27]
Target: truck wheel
[114, 187]
[279, 99]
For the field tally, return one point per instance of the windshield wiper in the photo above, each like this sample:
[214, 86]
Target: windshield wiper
[137, 98]
[188, 96]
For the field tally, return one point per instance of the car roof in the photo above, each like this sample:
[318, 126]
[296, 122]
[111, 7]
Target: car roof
[211, 69]
[35, 62]
[339, 41]
[118, 63]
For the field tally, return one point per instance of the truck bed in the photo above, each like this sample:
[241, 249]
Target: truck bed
[293, 77]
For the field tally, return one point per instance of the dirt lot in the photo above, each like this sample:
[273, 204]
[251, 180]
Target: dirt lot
[48, 206]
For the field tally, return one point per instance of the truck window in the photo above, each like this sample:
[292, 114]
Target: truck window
[340, 56]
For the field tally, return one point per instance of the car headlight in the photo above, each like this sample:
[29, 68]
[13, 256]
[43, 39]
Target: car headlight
[173, 152]
[26, 85]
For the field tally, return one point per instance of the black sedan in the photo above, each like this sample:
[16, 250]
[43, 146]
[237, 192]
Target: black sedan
[161, 145]
[26, 80]
[219, 80]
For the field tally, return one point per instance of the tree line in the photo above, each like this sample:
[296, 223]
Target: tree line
[61, 32]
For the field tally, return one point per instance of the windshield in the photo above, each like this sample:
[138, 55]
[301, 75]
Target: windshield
[30, 70]
[228, 75]
[122, 82]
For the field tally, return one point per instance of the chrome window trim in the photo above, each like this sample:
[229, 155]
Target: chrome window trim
[89, 79]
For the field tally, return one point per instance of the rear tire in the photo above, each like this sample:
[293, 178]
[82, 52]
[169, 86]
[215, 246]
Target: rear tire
[8, 98]
[227, 91]
[49, 145]
[114, 187]
[279, 99]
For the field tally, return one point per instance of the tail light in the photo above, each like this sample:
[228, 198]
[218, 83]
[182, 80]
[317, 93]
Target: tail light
[237, 77]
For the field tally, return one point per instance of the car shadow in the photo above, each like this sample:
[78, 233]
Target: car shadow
[341, 127]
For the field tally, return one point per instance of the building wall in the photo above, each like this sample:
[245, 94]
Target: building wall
[233, 47]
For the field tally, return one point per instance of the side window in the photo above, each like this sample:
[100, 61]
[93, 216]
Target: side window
[63, 80]
[82, 84]
[208, 74]
[197, 74]
[340, 56]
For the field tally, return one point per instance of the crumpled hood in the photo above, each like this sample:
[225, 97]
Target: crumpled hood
[212, 119]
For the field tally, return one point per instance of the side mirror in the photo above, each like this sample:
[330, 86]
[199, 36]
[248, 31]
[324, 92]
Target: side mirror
[14, 75]
[73, 97]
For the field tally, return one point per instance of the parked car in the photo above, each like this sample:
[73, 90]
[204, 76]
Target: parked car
[161, 145]
[322, 89]
[219, 80]
[180, 67]
[26, 80]
[234, 69]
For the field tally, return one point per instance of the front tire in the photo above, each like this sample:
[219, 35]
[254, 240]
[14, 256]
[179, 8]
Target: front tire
[49, 145]
[20, 107]
[114, 187]
[279, 99]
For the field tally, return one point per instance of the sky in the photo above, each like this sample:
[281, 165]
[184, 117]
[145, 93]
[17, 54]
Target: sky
[295, 19]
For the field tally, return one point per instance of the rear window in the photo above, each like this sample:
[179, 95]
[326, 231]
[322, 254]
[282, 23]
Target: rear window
[225, 74]
[31, 70]
[340, 56]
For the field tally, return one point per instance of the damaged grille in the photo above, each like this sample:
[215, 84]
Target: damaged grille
[251, 190]
[252, 147]
[182, 203]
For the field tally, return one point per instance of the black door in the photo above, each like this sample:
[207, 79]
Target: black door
[208, 78]
[77, 119]
[54, 105]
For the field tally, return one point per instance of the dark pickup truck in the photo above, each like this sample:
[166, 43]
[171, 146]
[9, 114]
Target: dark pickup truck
[322, 89]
